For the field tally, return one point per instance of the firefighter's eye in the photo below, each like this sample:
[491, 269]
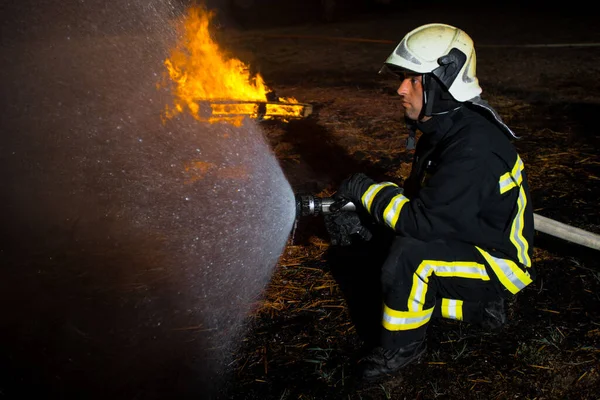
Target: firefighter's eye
[415, 81]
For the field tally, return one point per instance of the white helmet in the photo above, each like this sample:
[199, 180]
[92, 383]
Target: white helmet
[444, 51]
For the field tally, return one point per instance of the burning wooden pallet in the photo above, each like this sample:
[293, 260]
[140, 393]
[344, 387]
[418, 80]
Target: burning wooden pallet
[234, 112]
[261, 110]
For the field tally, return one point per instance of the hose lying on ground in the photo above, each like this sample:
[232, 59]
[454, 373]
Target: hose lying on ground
[566, 232]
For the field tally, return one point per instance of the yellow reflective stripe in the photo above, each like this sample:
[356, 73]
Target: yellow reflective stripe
[516, 171]
[452, 309]
[516, 231]
[369, 195]
[416, 299]
[508, 272]
[513, 178]
[392, 211]
[404, 320]
[457, 269]
[506, 183]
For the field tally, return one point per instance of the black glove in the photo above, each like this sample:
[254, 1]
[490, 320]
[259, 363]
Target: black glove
[353, 187]
[341, 225]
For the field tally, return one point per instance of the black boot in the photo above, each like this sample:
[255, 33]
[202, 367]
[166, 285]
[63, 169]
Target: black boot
[383, 362]
[494, 314]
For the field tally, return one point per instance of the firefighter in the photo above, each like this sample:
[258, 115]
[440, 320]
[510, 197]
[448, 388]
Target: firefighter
[463, 220]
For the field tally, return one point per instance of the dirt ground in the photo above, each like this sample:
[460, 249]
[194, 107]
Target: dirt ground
[307, 333]
[85, 314]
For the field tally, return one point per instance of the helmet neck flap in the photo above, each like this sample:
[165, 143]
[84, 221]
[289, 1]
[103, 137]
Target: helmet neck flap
[436, 98]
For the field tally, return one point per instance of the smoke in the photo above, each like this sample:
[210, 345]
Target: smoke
[131, 250]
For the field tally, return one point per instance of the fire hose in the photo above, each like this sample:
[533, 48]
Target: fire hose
[310, 205]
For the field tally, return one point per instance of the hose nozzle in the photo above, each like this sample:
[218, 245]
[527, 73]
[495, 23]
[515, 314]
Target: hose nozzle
[310, 205]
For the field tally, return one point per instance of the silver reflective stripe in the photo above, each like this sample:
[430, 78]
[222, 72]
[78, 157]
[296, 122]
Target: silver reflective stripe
[506, 183]
[512, 178]
[516, 171]
[419, 289]
[406, 320]
[464, 271]
[508, 272]
[516, 234]
[392, 211]
[452, 309]
[369, 195]
[452, 304]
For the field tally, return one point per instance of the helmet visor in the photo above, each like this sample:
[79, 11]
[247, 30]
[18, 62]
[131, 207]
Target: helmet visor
[394, 71]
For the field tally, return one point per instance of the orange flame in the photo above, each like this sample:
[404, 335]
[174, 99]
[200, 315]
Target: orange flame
[210, 86]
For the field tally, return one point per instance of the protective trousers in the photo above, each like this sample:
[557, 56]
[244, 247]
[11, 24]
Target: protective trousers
[421, 280]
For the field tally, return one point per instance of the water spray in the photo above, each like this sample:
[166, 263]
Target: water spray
[310, 205]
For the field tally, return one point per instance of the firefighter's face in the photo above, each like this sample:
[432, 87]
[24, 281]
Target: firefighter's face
[411, 91]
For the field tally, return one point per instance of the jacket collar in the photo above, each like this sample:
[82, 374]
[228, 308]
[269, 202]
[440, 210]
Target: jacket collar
[438, 126]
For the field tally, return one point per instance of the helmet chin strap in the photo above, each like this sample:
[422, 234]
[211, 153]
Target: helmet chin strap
[428, 96]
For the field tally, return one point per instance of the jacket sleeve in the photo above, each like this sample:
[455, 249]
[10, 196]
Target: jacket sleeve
[450, 200]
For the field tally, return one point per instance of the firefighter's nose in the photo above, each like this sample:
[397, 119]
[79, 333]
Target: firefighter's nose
[403, 88]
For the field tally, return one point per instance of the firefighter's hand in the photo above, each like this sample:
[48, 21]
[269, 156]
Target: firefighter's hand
[353, 187]
[342, 225]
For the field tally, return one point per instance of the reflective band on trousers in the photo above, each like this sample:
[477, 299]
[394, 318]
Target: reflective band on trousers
[404, 320]
[508, 272]
[452, 309]
[369, 195]
[443, 269]
[392, 211]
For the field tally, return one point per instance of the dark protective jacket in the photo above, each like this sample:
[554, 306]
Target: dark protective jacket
[467, 184]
